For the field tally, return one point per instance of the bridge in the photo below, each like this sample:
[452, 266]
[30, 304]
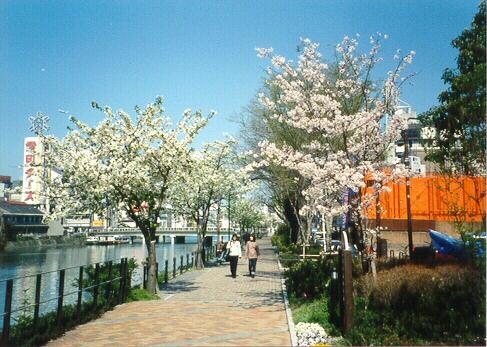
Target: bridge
[163, 233]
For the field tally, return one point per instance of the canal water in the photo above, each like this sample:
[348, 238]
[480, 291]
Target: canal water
[30, 261]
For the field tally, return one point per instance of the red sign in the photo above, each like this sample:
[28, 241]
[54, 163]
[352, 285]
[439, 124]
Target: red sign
[29, 172]
[31, 145]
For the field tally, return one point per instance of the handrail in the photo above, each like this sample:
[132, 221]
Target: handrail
[123, 278]
[51, 271]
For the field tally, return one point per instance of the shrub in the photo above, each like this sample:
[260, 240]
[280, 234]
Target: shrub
[281, 238]
[89, 279]
[414, 303]
[309, 279]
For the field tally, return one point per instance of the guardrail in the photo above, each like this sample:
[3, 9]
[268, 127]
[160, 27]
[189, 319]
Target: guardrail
[111, 298]
[209, 253]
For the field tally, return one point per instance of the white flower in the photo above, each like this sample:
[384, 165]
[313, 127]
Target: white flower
[310, 334]
[264, 52]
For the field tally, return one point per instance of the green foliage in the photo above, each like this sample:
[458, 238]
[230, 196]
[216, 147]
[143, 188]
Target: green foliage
[460, 117]
[23, 332]
[313, 311]
[247, 214]
[138, 294]
[310, 278]
[415, 304]
[8, 232]
[281, 239]
[89, 279]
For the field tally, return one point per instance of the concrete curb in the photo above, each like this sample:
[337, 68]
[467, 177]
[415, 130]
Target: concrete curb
[289, 314]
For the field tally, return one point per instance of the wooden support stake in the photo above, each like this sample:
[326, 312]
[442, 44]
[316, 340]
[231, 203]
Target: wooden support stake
[347, 318]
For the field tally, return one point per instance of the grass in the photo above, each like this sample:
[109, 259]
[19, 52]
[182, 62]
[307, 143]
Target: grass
[141, 295]
[313, 311]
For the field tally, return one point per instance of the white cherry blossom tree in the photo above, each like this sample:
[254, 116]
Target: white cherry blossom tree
[213, 176]
[350, 119]
[123, 162]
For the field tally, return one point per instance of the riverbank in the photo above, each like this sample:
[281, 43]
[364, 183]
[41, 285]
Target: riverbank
[48, 241]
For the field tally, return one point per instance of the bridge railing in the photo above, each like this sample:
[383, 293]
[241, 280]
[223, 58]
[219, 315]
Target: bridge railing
[91, 280]
[165, 230]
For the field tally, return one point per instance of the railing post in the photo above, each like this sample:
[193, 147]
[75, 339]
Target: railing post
[80, 293]
[37, 300]
[173, 267]
[59, 316]
[187, 261]
[166, 265]
[181, 267]
[144, 277]
[97, 284]
[126, 280]
[108, 293]
[120, 284]
[7, 311]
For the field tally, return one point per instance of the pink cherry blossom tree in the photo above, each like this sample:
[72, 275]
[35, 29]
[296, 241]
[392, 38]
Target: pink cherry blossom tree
[350, 118]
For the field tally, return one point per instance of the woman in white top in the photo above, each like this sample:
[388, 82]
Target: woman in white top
[235, 252]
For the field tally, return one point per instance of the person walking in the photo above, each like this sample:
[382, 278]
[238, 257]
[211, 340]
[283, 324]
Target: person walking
[252, 252]
[235, 253]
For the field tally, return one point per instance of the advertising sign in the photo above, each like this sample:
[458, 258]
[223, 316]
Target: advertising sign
[32, 171]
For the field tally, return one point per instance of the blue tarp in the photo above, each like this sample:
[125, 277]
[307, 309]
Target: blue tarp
[446, 244]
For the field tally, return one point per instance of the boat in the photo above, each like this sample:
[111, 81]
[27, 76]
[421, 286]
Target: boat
[91, 240]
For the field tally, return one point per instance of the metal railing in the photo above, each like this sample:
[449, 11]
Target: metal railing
[210, 252]
[93, 290]
[160, 230]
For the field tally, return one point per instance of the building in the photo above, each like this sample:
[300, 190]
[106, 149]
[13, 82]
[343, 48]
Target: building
[5, 184]
[414, 135]
[20, 218]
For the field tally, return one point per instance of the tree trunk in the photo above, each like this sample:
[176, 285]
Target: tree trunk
[199, 260]
[218, 226]
[292, 220]
[152, 284]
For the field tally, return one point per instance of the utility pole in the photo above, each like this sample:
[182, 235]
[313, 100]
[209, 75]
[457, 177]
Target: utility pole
[408, 194]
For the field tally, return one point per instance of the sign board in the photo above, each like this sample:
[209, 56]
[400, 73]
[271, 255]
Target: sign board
[32, 171]
[97, 223]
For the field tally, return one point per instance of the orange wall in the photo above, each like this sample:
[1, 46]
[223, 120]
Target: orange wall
[434, 198]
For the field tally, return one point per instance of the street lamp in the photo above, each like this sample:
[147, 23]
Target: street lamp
[229, 221]
[408, 191]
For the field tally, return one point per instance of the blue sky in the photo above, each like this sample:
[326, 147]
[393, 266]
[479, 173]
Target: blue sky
[197, 54]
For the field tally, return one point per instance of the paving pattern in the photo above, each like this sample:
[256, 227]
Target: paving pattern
[199, 308]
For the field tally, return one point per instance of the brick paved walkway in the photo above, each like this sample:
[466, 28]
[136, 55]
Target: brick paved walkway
[200, 308]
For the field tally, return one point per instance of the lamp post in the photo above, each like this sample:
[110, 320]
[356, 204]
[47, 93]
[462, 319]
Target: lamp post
[229, 220]
[408, 193]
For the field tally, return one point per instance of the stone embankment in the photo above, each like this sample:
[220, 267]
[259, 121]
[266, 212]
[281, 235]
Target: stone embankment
[51, 241]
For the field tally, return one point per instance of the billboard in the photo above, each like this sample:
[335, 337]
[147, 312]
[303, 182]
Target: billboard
[32, 186]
